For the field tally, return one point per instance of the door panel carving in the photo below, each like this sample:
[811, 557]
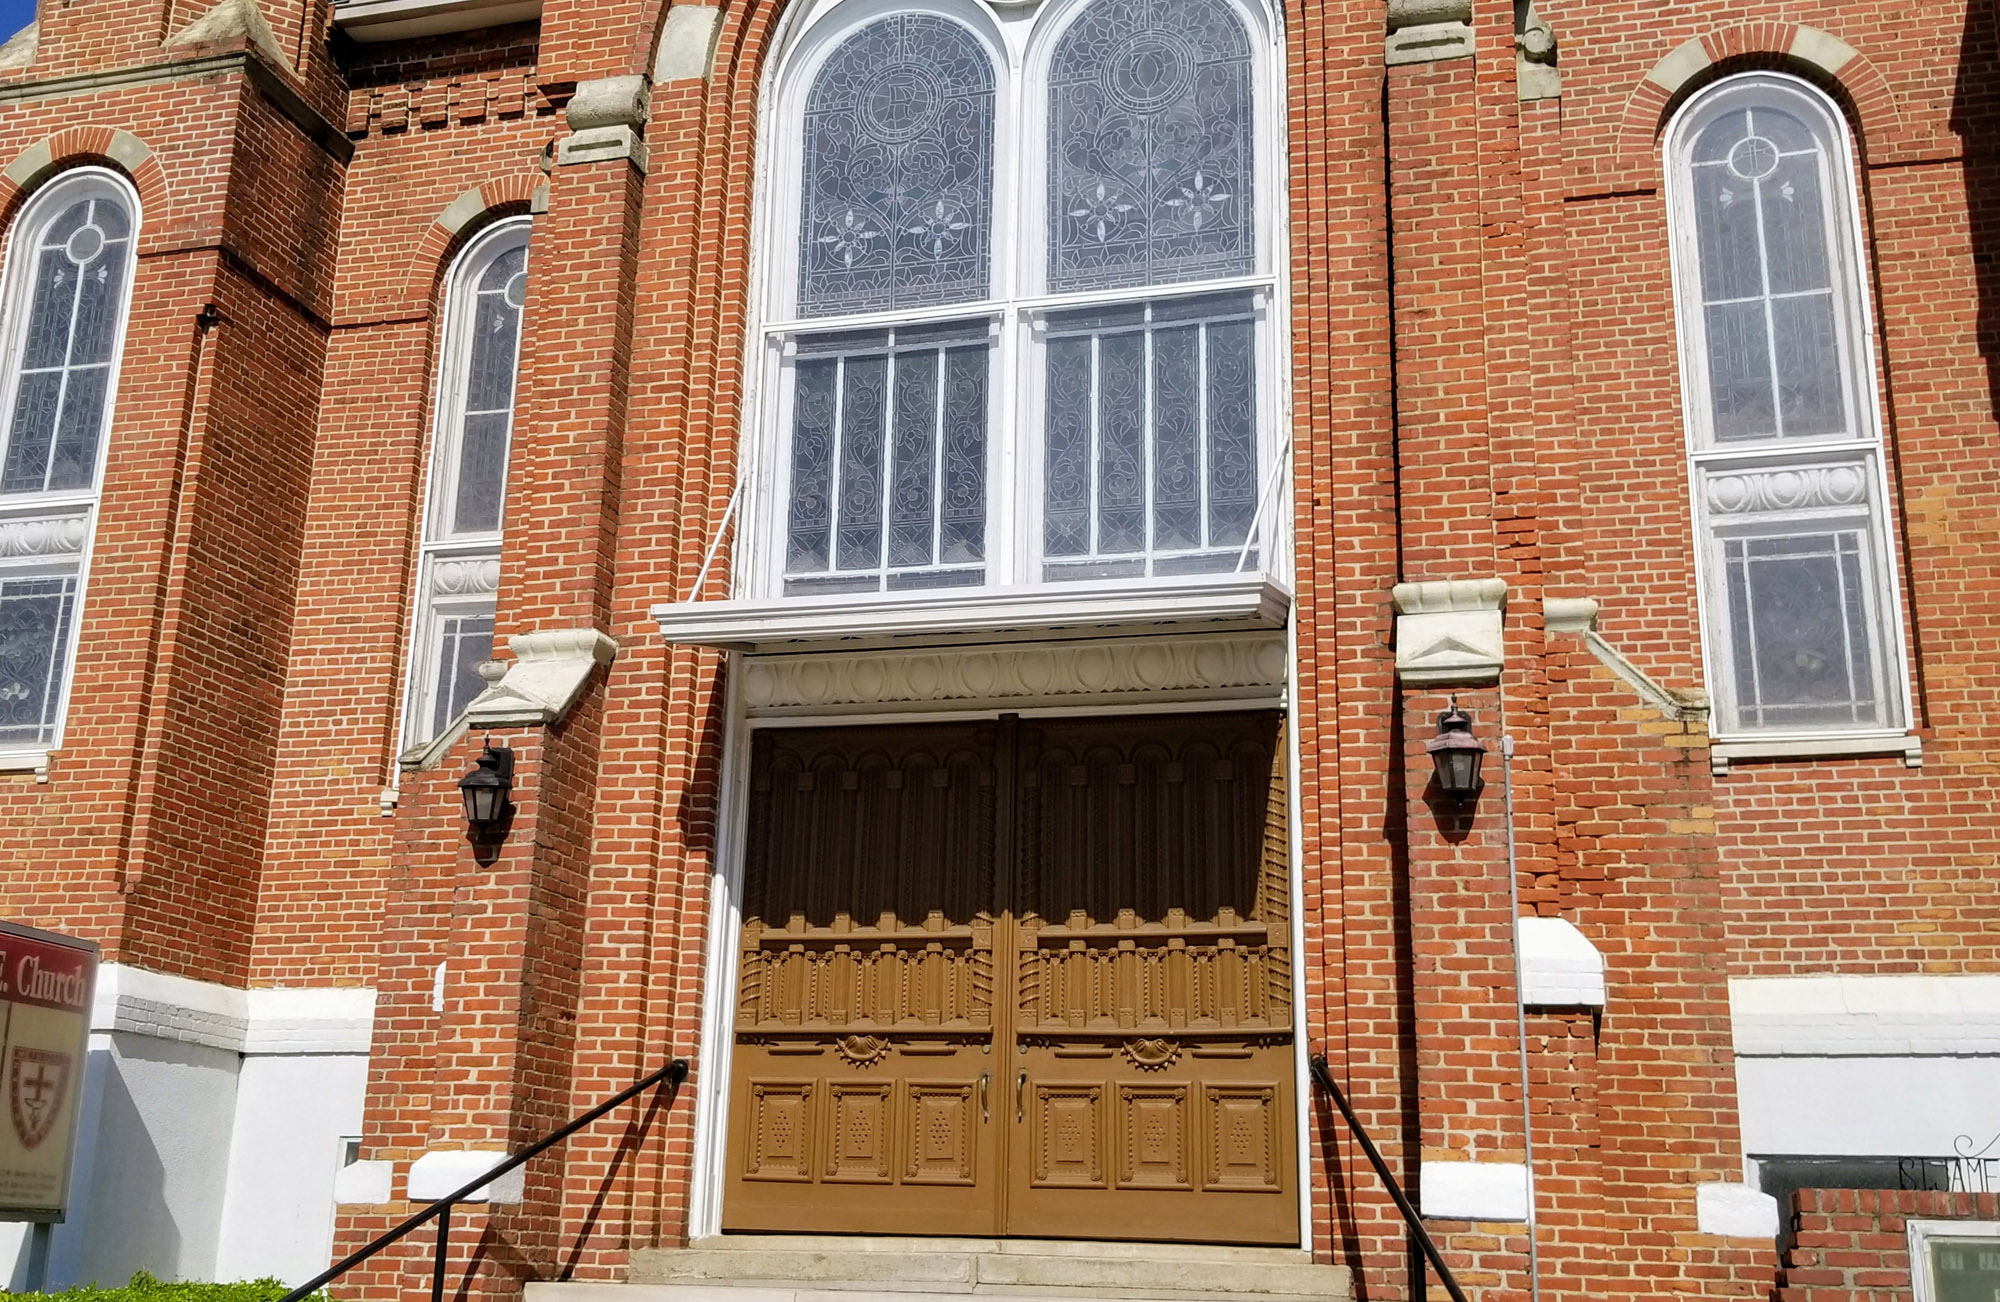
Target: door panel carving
[1151, 950]
[1017, 978]
[867, 950]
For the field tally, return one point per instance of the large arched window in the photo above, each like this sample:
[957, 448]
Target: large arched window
[1800, 610]
[1018, 317]
[459, 575]
[67, 289]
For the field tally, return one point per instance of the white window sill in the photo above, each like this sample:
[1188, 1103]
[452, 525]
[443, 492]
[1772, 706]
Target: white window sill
[399, 20]
[1199, 603]
[1721, 754]
[26, 761]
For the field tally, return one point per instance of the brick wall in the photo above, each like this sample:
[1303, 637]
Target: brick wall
[1483, 382]
[1851, 1245]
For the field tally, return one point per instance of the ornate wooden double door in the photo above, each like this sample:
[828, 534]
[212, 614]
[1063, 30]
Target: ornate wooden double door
[1025, 978]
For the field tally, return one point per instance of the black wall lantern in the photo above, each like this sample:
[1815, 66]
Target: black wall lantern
[1456, 754]
[485, 788]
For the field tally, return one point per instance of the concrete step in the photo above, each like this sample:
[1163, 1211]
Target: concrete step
[830, 1268]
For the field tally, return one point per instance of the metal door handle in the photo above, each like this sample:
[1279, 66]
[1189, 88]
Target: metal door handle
[984, 1078]
[1020, 1087]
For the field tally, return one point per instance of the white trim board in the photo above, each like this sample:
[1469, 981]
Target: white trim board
[1865, 1016]
[309, 1020]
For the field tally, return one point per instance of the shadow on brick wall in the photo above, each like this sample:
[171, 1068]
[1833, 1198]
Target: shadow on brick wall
[1975, 118]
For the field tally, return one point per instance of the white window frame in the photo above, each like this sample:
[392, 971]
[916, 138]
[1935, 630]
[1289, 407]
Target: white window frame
[1923, 1286]
[1712, 461]
[1020, 39]
[457, 574]
[52, 533]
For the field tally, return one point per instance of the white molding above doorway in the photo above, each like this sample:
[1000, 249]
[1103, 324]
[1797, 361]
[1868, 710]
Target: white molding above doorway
[1137, 671]
[1192, 604]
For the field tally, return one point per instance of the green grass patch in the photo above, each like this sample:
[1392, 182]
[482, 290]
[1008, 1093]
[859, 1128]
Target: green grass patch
[142, 1287]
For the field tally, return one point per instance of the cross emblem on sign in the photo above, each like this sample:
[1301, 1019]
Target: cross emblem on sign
[36, 1086]
[37, 1079]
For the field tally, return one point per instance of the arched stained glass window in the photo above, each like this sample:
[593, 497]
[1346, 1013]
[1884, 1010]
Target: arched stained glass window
[1770, 307]
[68, 282]
[1799, 599]
[1150, 149]
[897, 209]
[460, 579]
[75, 312]
[1024, 333]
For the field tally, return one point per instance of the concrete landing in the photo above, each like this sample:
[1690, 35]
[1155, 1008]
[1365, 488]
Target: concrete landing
[828, 1268]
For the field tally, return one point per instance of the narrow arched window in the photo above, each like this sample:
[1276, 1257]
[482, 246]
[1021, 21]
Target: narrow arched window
[1800, 608]
[67, 288]
[1018, 322]
[471, 435]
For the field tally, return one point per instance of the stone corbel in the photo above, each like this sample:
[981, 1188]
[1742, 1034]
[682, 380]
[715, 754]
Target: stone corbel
[604, 118]
[1535, 73]
[1449, 632]
[1579, 615]
[1425, 31]
[548, 673]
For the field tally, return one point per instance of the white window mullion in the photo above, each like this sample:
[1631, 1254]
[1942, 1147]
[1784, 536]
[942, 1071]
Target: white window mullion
[1201, 443]
[938, 434]
[1148, 439]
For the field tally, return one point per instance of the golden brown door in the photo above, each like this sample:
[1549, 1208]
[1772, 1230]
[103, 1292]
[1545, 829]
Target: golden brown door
[864, 1070]
[1152, 1034]
[1017, 979]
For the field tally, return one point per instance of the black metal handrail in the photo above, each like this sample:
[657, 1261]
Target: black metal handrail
[1323, 1077]
[674, 1072]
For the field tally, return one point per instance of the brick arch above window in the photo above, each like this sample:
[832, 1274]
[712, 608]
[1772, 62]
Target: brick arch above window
[73, 146]
[1692, 63]
[464, 215]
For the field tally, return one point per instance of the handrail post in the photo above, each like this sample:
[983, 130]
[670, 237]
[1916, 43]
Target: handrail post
[1323, 1077]
[443, 1252]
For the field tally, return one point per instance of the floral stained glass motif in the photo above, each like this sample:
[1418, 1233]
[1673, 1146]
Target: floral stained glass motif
[1150, 150]
[1770, 313]
[1150, 457]
[74, 310]
[888, 483]
[35, 617]
[897, 205]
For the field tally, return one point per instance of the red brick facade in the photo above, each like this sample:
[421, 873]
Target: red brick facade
[1484, 384]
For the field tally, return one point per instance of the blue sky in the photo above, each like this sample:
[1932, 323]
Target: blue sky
[14, 15]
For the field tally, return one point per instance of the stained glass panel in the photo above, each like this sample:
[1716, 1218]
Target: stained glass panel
[35, 618]
[465, 641]
[1763, 223]
[888, 464]
[73, 314]
[1150, 448]
[1150, 149]
[1801, 631]
[898, 184]
[486, 423]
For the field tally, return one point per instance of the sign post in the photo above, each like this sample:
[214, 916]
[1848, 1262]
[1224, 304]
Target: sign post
[46, 984]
